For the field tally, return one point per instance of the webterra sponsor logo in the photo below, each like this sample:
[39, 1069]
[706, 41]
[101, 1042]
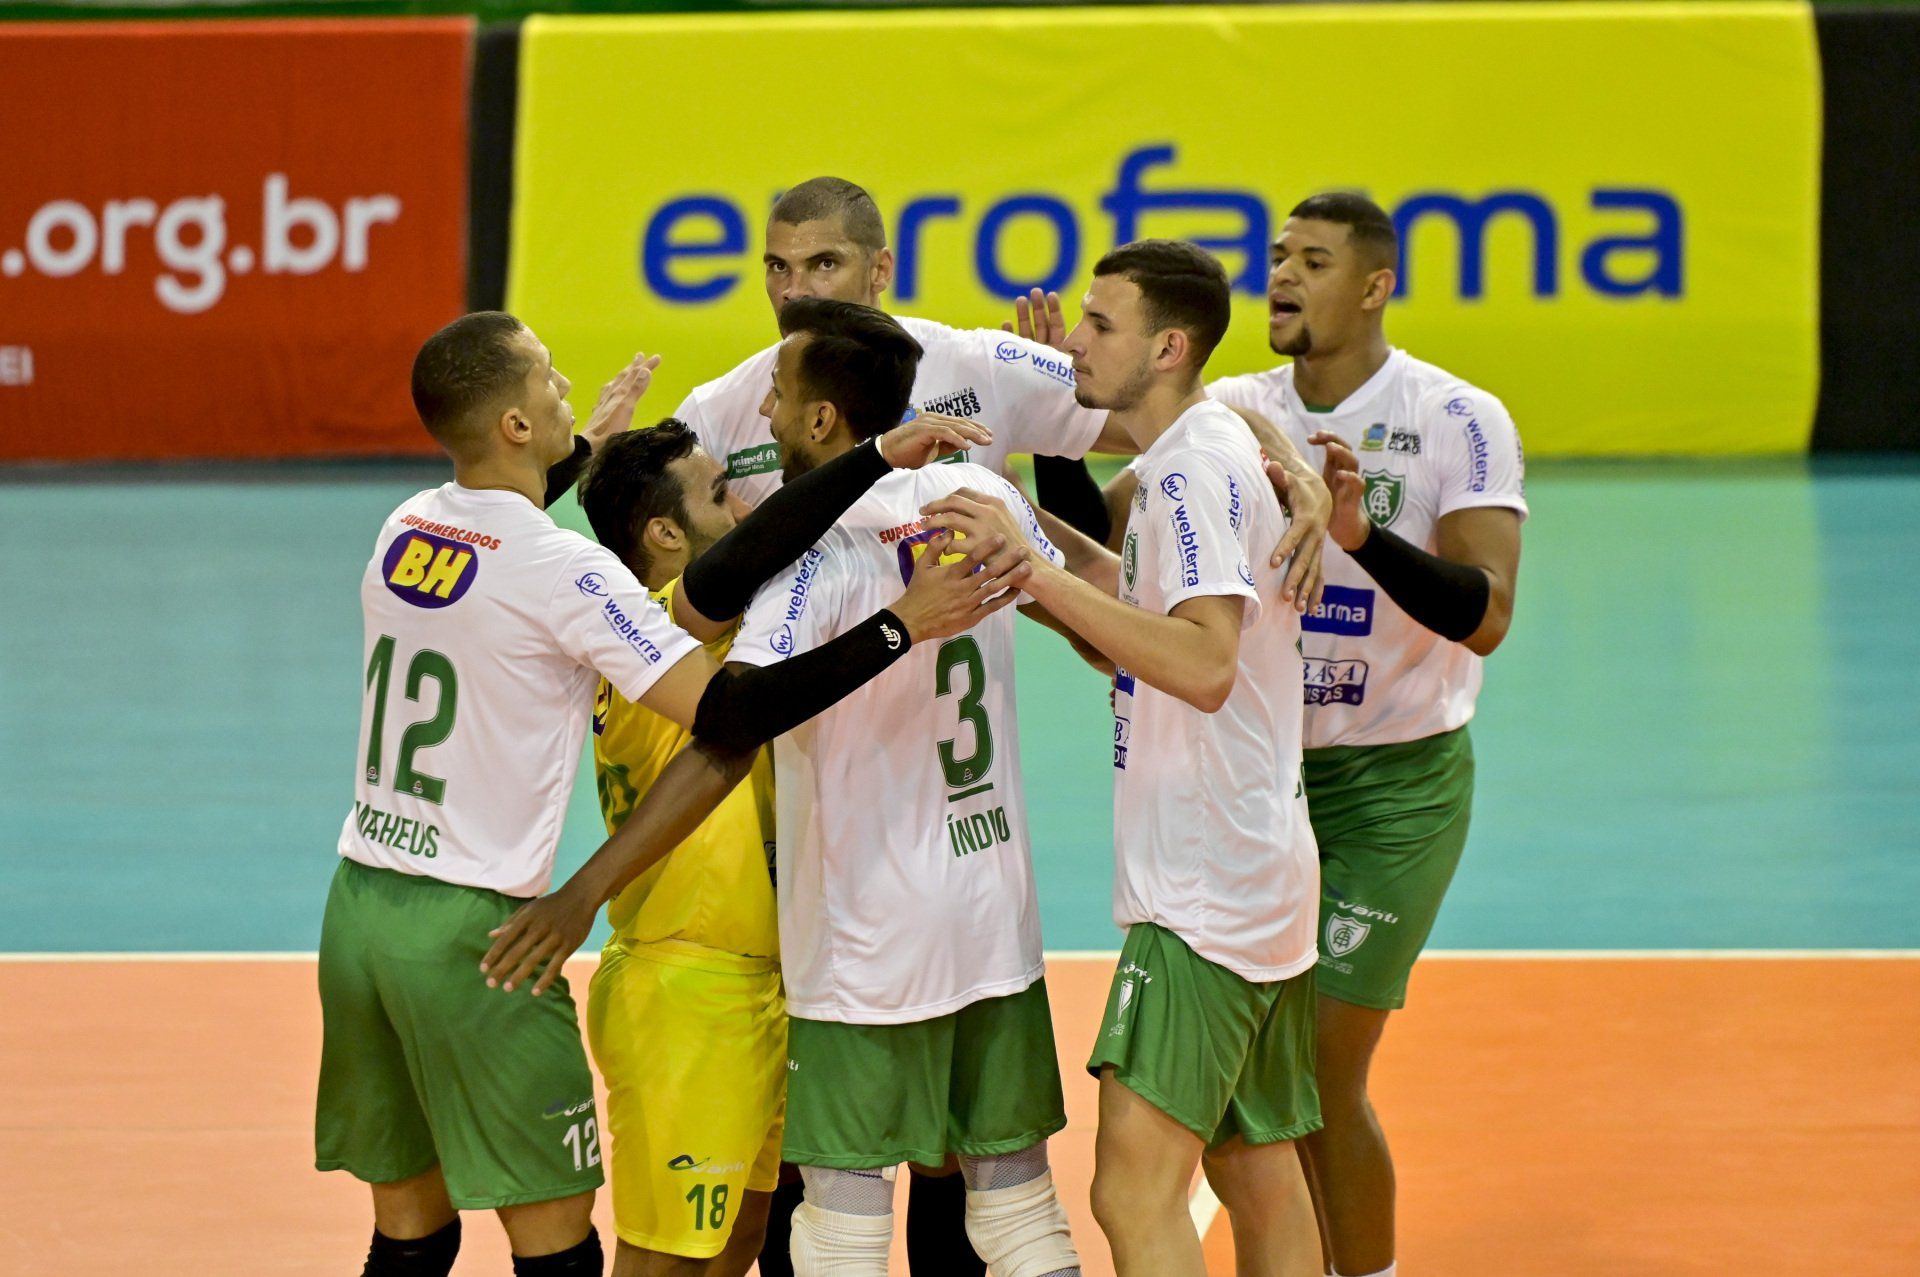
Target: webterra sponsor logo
[593, 585]
[782, 641]
[802, 585]
[622, 624]
[299, 235]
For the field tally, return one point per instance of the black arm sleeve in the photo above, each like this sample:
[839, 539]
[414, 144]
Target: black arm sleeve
[720, 582]
[564, 474]
[1448, 598]
[744, 707]
[1066, 490]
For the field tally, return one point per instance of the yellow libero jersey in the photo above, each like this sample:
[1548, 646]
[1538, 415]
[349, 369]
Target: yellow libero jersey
[711, 901]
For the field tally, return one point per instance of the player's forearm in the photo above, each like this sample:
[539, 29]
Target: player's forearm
[1086, 558]
[746, 706]
[1448, 598]
[564, 474]
[1175, 655]
[719, 583]
[689, 788]
[1065, 488]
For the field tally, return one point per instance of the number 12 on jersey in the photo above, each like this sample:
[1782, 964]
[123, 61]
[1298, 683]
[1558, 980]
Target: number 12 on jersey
[423, 733]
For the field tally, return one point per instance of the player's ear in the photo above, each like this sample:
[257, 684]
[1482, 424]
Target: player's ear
[1171, 347]
[825, 417]
[1379, 289]
[663, 533]
[515, 427]
[882, 277]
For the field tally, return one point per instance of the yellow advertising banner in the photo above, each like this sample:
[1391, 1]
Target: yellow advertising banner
[1609, 212]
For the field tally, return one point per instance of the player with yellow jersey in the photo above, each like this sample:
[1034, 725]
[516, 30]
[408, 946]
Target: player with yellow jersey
[685, 1014]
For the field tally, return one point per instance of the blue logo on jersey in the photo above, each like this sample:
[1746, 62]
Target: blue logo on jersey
[427, 570]
[1341, 611]
[593, 585]
[1174, 485]
[1009, 352]
[782, 640]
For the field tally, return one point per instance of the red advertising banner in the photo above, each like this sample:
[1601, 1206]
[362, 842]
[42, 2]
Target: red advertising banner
[226, 239]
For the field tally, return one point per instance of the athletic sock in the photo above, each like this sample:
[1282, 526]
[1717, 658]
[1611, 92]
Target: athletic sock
[776, 1258]
[582, 1260]
[937, 1244]
[429, 1256]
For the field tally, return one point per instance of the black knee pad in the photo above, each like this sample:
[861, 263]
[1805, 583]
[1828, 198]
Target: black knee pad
[583, 1260]
[429, 1256]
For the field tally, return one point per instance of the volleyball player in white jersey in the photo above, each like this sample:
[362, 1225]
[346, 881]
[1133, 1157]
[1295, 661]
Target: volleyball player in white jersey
[1206, 1050]
[909, 928]
[1420, 588]
[486, 626]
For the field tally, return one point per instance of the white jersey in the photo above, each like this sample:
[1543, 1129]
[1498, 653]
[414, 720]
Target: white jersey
[1210, 831]
[905, 877]
[486, 630]
[1019, 389]
[1429, 444]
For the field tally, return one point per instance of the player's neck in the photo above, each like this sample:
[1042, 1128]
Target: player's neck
[1325, 381]
[497, 475]
[1153, 415]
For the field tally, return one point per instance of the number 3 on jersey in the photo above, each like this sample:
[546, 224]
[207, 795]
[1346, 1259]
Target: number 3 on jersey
[422, 734]
[959, 669]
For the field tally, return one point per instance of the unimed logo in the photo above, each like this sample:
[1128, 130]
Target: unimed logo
[299, 235]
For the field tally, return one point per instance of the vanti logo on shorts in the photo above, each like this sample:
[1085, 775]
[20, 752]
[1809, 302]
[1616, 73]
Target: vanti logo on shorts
[427, 570]
[1344, 935]
[705, 1165]
[567, 1108]
[1341, 611]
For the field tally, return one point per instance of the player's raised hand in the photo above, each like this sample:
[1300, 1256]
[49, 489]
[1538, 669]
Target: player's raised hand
[973, 515]
[540, 936]
[613, 411]
[1309, 505]
[930, 436]
[1038, 317]
[1348, 525]
[945, 598]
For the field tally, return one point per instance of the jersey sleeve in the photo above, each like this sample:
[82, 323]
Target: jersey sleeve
[1201, 550]
[602, 617]
[791, 613]
[1032, 408]
[1022, 509]
[1479, 456]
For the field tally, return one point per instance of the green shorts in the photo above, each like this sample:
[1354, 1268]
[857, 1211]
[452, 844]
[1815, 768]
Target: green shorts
[1217, 1053]
[423, 1064]
[1391, 821]
[980, 1081]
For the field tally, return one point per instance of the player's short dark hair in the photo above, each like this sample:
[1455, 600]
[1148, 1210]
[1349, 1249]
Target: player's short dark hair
[858, 359]
[820, 199]
[1369, 228]
[629, 484]
[1183, 286]
[467, 366]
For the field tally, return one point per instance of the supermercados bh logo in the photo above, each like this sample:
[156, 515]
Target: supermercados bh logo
[1341, 611]
[764, 459]
[427, 570]
[1335, 682]
[623, 625]
[912, 545]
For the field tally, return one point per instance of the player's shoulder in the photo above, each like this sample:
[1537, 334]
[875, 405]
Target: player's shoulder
[1441, 395]
[748, 379]
[1213, 430]
[1264, 391]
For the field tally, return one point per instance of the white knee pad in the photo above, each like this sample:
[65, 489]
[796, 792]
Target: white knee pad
[1021, 1231]
[826, 1243]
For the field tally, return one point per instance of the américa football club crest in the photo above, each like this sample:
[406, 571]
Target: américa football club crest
[1382, 497]
[1344, 935]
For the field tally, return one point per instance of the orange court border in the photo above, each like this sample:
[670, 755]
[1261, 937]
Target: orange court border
[1684, 1114]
